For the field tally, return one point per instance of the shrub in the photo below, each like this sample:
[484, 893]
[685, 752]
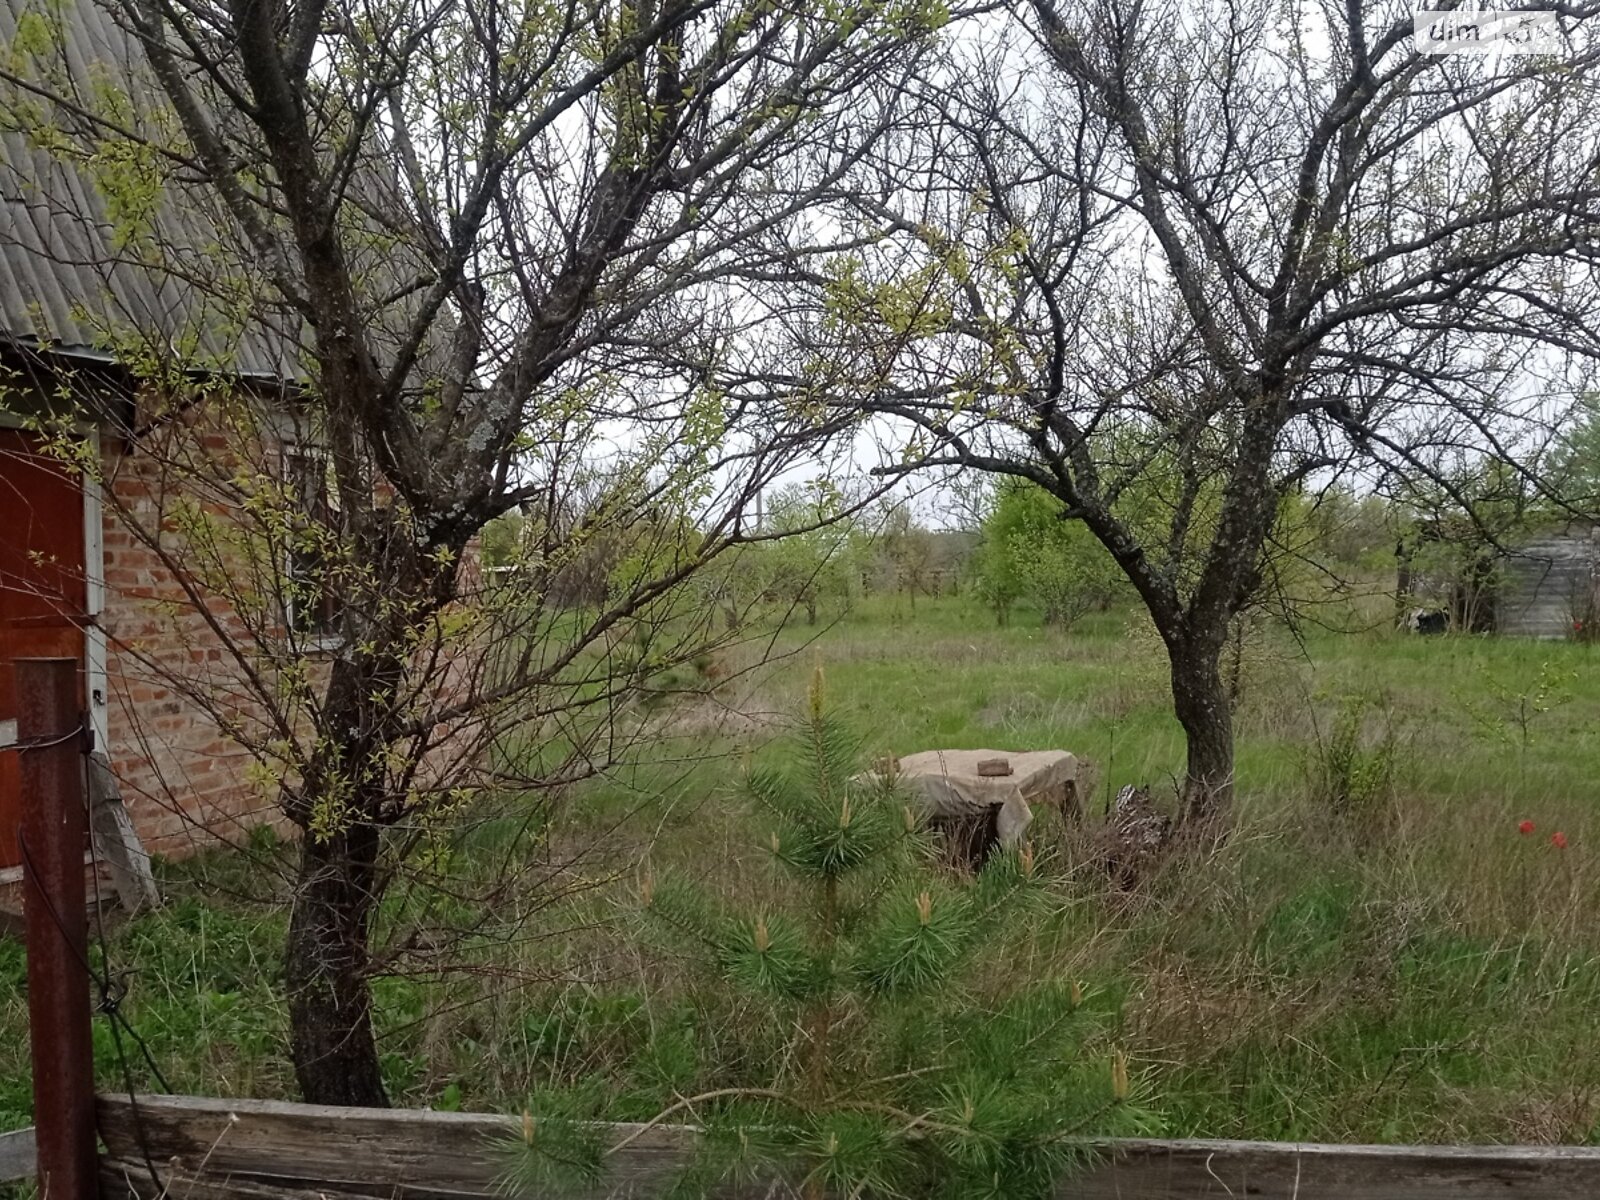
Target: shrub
[1031, 551]
[1585, 608]
[1352, 772]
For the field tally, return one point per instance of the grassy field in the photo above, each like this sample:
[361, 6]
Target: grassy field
[1378, 954]
[1414, 970]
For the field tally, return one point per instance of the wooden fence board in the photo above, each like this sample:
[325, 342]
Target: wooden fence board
[1188, 1170]
[132, 1179]
[359, 1150]
[265, 1150]
[115, 838]
[18, 1158]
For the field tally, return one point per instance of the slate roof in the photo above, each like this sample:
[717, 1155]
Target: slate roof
[68, 285]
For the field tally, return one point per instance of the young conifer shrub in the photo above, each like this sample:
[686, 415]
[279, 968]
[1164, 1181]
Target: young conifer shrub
[902, 1072]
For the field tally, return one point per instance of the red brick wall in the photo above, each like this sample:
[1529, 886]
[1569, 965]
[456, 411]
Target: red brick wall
[185, 785]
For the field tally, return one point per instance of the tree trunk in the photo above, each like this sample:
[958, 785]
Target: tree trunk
[330, 1002]
[811, 610]
[341, 806]
[1200, 701]
[1402, 581]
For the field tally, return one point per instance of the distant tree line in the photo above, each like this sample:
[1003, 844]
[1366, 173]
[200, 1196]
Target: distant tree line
[812, 552]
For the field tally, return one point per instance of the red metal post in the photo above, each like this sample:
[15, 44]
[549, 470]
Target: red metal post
[53, 828]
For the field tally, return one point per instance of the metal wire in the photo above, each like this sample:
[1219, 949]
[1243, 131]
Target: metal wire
[44, 743]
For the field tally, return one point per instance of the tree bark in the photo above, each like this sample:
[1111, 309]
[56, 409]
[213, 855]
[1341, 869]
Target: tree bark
[330, 1002]
[327, 959]
[1200, 701]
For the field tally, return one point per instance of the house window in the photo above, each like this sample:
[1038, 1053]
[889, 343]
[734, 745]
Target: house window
[312, 605]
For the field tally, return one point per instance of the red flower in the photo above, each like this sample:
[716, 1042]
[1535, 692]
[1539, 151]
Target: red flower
[1525, 828]
[1558, 840]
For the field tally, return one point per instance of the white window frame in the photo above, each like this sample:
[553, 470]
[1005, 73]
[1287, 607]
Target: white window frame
[94, 600]
[292, 447]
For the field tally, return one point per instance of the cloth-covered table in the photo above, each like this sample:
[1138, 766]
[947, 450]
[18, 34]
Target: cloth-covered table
[949, 784]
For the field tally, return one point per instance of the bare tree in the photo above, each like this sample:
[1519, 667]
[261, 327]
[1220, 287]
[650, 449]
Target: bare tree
[1178, 263]
[907, 552]
[490, 250]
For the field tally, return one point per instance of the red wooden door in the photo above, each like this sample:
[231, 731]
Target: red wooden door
[42, 591]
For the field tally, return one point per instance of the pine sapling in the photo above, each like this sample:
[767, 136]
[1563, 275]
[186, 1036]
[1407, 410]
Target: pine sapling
[901, 1070]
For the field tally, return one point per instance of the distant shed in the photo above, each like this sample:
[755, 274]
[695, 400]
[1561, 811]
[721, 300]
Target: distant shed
[1550, 581]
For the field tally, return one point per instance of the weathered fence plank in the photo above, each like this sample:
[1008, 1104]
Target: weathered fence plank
[264, 1150]
[357, 1151]
[119, 1178]
[116, 840]
[1187, 1170]
[18, 1155]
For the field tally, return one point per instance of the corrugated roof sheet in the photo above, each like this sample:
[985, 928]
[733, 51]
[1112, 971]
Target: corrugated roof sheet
[68, 282]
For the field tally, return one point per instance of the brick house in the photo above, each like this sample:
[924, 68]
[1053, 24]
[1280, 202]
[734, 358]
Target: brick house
[136, 329]
[74, 579]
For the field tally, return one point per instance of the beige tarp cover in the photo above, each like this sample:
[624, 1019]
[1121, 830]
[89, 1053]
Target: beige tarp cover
[949, 783]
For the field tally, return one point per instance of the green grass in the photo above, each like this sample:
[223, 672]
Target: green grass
[947, 676]
[1414, 970]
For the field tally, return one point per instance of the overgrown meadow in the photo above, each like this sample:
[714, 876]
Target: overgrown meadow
[1380, 953]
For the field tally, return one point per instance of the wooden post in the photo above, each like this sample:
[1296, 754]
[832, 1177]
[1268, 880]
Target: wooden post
[53, 829]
